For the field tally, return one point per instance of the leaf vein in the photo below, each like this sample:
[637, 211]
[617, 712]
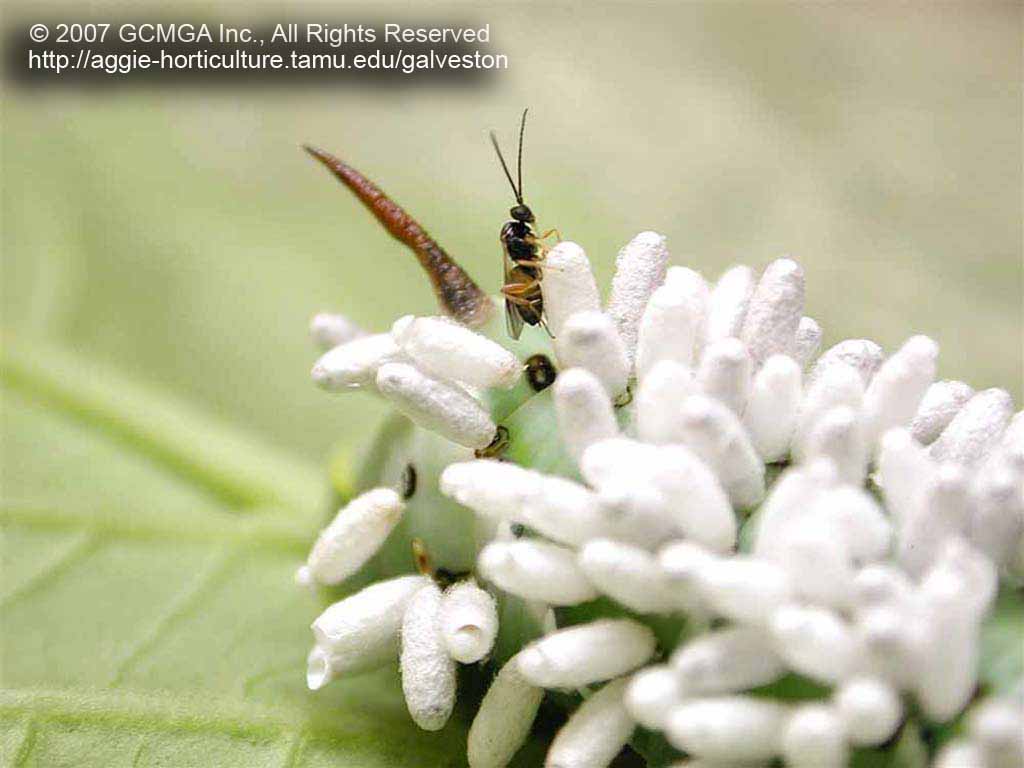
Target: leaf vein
[83, 546]
[177, 608]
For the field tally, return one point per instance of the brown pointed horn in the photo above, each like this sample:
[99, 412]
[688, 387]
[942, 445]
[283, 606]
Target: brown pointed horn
[456, 292]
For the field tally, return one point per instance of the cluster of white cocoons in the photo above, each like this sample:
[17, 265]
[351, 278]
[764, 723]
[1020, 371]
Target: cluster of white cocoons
[874, 557]
[430, 630]
[430, 368]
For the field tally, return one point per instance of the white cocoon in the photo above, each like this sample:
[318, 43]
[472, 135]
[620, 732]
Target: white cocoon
[941, 402]
[773, 406]
[668, 329]
[961, 753]
[817, 559]
[727, 728]
[651, 693]
[469, 622]
[361, 631]
[904, 470]
[428, 672]
[715, 434]
[568, 285]
[839, 436]
[354, 536]
[628, 574]
[662, 388]
[567, 512]
[997, 518]
[491, 488]
[863, 355]
[694, 287]
[354, 365]
[445, 349]
[946, 656]
[436, 405]
[814, 738]
[591, 341]
[895, 391]
[639, 269]
[587, 653]
[745, 589]
[728, 303]
[808, 341]
[870, 710]
[583, 409]
[329, 330]
[857, 520]
[881, 584]
[838, 386]
[694, 500]
[943, 513]
[536, 570]
[504, 719]
[727, 660]
[816, 642]
[776, 307]
[724, 373]
[594, 733]
[792, 495]
[623, 471]
[976, 428]
[997, 725]
[682, 562]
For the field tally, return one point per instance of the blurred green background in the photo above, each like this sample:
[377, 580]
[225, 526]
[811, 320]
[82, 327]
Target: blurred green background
[164, 248]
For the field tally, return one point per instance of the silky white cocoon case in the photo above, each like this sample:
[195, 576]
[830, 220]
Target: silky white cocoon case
[863, 355]
[651, 693]
[726, 661]
[536, 570]
[568, 286]
[330, 330]
[639, 269]
[448, 350]
[628, 574]
[595, 732]
[773, 407]
[976, 428]
[590, 340]
[587, 653]
[668, 329]
[354, 536]
[428, 671]
[504, 719]
[436, 405]
[724, 373]
[361, 631]
[771, 321]
[583, 408]
[808, 341]
[941, 402]
[354, 365]
[728, 303]
[469, 622]
[727, 728]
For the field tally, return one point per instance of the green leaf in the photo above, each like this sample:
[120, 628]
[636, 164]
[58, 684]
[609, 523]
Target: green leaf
[147, 600]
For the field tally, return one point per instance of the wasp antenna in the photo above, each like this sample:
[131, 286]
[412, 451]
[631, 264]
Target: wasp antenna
[501, 157]
[522, 130]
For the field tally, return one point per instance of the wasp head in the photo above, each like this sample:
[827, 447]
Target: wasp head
[522, 213]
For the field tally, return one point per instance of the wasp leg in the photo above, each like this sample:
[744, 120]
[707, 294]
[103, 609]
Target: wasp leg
[549, 233]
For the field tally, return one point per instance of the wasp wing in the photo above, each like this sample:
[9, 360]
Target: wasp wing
[513, 320]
